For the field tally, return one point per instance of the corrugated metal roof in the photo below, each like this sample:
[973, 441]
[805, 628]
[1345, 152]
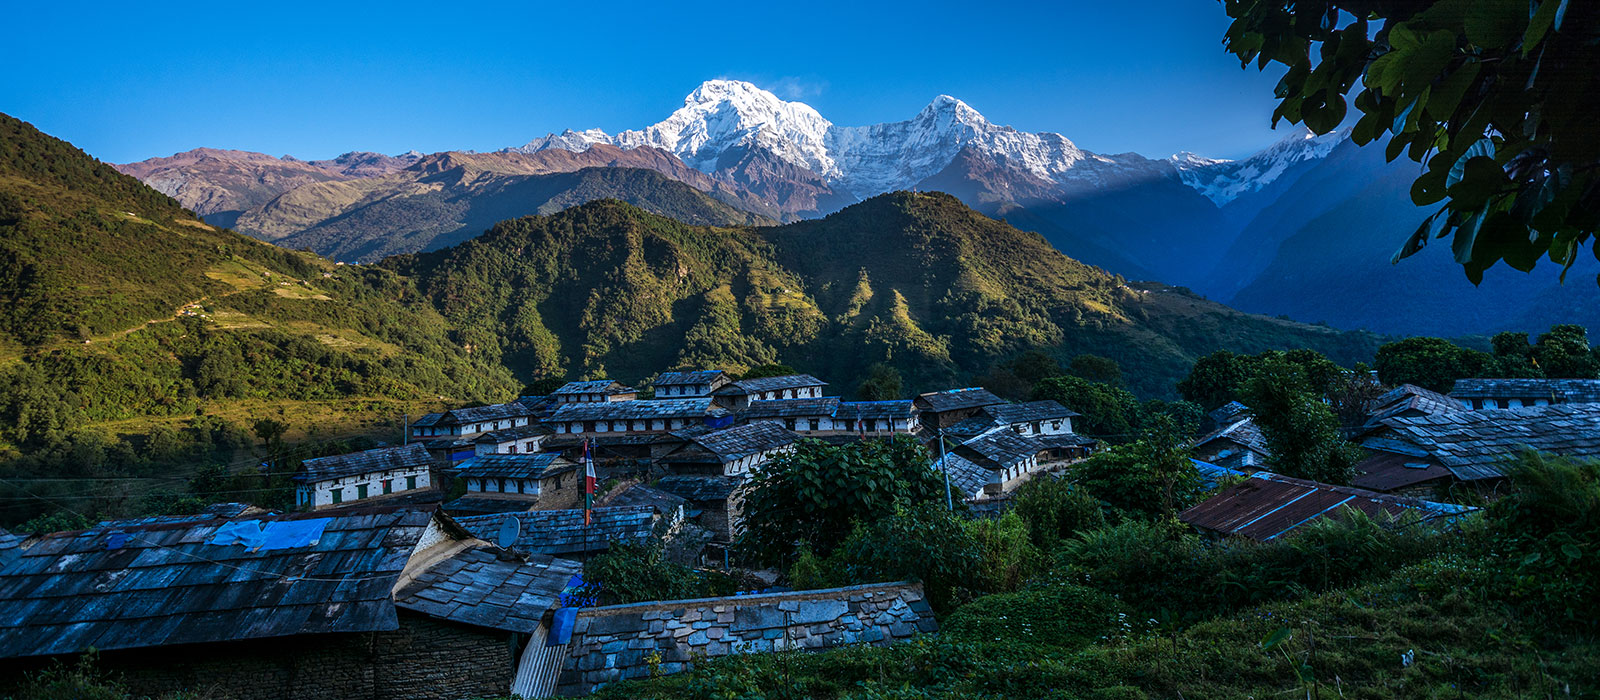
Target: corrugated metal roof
[1268, 506]
[1476, 444]
[163, 584]
[1388, 471]
[404, 457]
[560, 532]
[635, 410]
[1016, 413]
[477, 587]
[514, 466]
[957, 399]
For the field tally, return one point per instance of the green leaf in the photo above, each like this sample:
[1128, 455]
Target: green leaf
[1539, 24]
[1277, 637]
[1466, 235]
[1561, 14]
[1572, 551]
[1493, 23]
[1483, 147]
[1530, 559]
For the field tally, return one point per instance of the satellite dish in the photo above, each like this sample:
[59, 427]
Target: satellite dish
[510, 530]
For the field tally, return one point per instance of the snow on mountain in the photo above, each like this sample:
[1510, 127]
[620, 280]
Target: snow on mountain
[730, 117]
[1223, 181]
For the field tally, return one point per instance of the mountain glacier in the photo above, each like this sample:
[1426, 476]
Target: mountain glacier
[1223, 181]
[723, 118]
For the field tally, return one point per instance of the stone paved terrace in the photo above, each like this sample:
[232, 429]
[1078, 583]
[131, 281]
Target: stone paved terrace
[613, 643]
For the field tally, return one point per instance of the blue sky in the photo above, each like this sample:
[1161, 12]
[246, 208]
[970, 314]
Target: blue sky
[128, 81]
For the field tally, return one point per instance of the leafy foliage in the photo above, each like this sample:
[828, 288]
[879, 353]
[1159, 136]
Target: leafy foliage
[1495, 97]
[813, 496]
[638, 573]
[1302, 432]
[1147, 479]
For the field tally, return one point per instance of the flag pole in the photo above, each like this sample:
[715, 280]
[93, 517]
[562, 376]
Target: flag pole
[588, 501]
[949, 502]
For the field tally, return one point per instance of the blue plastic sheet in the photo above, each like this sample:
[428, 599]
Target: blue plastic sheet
[257, 535]
[561, 627]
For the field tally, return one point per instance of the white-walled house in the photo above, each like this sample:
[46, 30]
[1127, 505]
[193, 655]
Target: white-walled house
[1484, 394]
[1032, 418]
[593, 391]
[468, 422]
[532, 478]
[526, 439]
[830, 416]
[735, 451]
[656, 416]
[327, 482]
[739, 394]
[690, 384]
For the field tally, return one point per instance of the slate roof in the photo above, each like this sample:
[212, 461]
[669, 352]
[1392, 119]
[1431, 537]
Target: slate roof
[957, 399]
[1014, 413]
[1408, 399]
[744, 440]
[1243, 432]
[966, 476]
[641, 495]
[690, 377]
[971, 427]
[407, 457]
[514, 466]
[1556, 390]
[874, 410]
[1000, 448]
[521, 432]
[1474, 444]
[562, 532]
[163, 584]
[754, 386]
[1211, 474]
[476, 505]
[791, 408]
[215, 511]
[635, 410]
[595, 386]
[1227, 413]
[1268, 506]
[477, 587]
[474, 414]
[699, 489]
[9, 547]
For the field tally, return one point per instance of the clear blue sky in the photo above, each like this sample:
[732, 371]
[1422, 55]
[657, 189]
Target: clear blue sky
[128, 81]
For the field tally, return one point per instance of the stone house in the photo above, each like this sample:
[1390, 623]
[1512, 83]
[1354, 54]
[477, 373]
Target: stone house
[657, 416]
[526, 439]
[808, 416]
[1238, 445]
[829, 416]
[940, 409]
[692, 384]
[384, 603]
[876, 418]
[517, 482]
[714, 501]
[1476, 446]
[1032, 418]
[737, 395]
[449, 435]
[594, 391]
[1481, 394]
[732, 451]
[359, 477]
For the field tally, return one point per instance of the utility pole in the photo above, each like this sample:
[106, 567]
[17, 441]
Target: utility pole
[949, 501]
[405, 428]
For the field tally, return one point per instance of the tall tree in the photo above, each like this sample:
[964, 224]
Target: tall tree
[1496, 97]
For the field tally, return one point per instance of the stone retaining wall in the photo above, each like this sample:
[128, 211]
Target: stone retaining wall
[619, 642]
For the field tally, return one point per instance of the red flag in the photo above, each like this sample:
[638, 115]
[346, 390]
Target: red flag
[588, 483]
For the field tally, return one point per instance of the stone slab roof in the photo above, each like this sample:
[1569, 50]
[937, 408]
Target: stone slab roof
[1556, 390]
[595, 386]
[478, 587]
[198, 582]
[404, 457]
[957, 399]
[558, 532]
[1000, 448]
[640, 495]
[699, 489]
[1014, 413]
[755, 386]
[1408, 399]
[521, 432]
[742, 441]
[635, 410]
[475, 414]
[514, 466]
[966, 476]
[791, 408]
[1244, 433]
[1476, 444]
[477, 505]
[874, 410]
[689, 377]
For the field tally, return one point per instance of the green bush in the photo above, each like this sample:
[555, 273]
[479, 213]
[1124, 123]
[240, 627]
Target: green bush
[1064, 616]
[1056, 510]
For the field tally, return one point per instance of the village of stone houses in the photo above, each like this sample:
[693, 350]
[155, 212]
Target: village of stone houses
[461, 560]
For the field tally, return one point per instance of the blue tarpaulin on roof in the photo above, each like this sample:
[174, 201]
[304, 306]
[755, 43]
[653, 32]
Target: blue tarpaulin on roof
[561, 627]
[279, 534]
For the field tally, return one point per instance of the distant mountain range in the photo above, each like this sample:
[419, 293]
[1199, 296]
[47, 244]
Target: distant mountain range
[1240, 231]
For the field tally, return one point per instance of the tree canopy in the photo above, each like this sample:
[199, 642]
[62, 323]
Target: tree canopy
[1495, 97]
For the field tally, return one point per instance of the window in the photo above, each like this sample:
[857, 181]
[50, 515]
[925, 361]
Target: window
[361, 491]
[411, 482]
[338, 496]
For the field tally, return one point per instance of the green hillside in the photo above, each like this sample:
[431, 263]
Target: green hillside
[919, 281]
[117, 303]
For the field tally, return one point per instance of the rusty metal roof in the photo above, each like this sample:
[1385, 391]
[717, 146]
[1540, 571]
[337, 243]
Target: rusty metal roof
[1268, 506]
[1388, 471]
[167, 583]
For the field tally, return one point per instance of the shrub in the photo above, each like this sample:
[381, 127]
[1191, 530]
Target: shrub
[1056, 510]
[1064, 616]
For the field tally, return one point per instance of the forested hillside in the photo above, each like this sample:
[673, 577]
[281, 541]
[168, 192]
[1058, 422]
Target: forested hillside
[917, 281]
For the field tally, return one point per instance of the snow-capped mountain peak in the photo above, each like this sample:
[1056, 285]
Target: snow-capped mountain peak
[1223, 181]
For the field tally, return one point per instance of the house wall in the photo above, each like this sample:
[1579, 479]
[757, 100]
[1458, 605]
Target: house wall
[650, 425]
[612, 643]
[1060, 426]
[555, 492]
[470, 429]
[525, 446]
[426, 659]
[320, 494]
